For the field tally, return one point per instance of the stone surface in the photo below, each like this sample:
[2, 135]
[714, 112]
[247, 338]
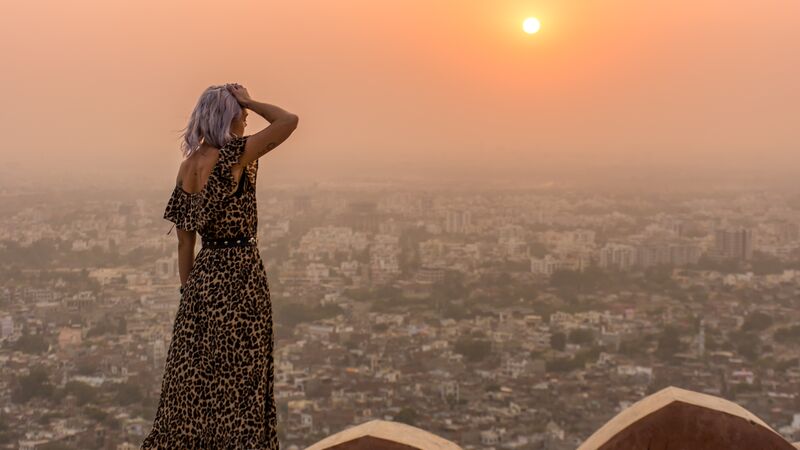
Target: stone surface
[679, 419]
[383, 435]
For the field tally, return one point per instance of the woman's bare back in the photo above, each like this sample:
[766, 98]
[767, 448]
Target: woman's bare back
[195, 170]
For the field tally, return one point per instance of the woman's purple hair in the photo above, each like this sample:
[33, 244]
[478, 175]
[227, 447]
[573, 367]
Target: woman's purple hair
[211, 119]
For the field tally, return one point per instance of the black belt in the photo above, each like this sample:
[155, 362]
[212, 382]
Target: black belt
[238, 241]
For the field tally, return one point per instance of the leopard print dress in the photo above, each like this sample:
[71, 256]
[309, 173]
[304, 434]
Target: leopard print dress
[217, 388]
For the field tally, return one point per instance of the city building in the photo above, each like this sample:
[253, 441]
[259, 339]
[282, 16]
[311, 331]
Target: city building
[733, 243]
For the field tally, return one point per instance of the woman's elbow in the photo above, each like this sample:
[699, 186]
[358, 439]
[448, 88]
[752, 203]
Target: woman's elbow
[186, 239]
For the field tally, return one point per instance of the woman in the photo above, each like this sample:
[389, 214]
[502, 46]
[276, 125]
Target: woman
[217, 390]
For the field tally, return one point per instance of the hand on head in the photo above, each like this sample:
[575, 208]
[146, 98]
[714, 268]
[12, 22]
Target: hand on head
[239, 92]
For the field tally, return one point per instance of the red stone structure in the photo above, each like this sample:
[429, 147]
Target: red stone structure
[670, 419]
[674, 418]
[383, 435]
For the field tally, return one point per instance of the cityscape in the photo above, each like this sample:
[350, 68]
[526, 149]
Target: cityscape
[416, 225]
[495, 318]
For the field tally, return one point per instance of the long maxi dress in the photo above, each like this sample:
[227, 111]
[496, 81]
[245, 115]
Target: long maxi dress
[217, 388]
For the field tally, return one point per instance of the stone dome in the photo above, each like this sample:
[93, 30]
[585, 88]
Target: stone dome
[677, 418]
[383, 435]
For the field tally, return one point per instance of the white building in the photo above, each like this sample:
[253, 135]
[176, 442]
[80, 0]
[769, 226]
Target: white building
[6, 326]
[546, 265]
[458, 221]
[618, 256]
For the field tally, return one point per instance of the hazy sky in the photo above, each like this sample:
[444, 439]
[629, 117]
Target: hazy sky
[102, 88]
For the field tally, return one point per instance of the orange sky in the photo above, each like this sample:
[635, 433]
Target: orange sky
[95, 88]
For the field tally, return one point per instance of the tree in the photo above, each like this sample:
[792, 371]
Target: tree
[31, 343]
[765, 263]
[387, 293]
[669, 343]
[788, 335]
[635, 348]
[473, 349]
[35, 384]
[558, 341]
[757, 321]
[581, 336]
[451, 287]
[537, 249]
[102, 417]
[101, 328]
[128, 393]
[569, 364]
[566, 364]
[5, 431]
[747, 344]
[659, 277]
[700, 297]
[87, 365]
[407, 416]
[83, 392]
[291, 314]
[453, 310]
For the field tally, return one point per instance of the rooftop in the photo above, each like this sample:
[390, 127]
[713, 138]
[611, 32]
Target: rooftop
[669, 418]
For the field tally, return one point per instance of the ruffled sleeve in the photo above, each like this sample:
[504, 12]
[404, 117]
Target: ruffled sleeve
[191, 211]
[221, 184]
[185, 210]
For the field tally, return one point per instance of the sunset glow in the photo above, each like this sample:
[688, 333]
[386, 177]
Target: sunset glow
[531, 25]
[354, 224]
[720, 88]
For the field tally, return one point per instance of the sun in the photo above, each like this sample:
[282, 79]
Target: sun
[531, 25]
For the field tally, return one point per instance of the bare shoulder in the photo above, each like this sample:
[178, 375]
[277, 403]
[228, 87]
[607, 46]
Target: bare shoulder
[185, 171]
[181, 171]
[195, 170]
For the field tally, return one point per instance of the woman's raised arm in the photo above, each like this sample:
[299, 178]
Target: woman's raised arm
[282, 124]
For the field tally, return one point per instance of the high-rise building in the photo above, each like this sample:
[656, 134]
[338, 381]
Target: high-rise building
[652, 254]
[458, 221]
[736, 243]
[546, 265]
[362, 215]
[701, 339]
[6, 326]
[619, 256]
[682, 254]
